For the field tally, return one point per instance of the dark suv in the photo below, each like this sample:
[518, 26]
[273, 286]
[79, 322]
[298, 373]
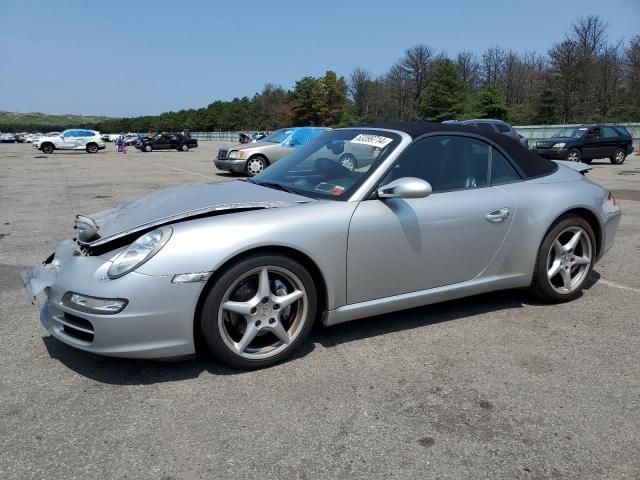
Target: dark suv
[587, 142]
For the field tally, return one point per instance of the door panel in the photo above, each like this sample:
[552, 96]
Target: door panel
[592, 147]
[399, 246]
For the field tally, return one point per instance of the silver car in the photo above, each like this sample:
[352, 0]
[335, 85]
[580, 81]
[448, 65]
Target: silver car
[252, 158]
[248, 266]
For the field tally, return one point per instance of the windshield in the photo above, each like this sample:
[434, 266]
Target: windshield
[278, 136]
[332, 165]
[571, 132]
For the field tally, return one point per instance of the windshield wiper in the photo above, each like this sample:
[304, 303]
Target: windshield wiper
[277, 186]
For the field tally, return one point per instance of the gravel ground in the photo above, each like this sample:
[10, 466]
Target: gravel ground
[493, 386]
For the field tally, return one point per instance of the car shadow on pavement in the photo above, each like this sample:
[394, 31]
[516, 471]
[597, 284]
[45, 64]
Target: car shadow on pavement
[124, 371]
[423, 316]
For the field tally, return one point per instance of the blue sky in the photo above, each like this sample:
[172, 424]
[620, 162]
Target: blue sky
[124, 58]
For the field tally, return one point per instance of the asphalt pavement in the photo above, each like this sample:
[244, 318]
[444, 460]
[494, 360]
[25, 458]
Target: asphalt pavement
[493, 386]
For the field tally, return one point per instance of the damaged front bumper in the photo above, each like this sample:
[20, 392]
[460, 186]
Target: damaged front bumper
[156, 321]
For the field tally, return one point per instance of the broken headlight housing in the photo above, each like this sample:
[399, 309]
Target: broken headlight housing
[140, 251]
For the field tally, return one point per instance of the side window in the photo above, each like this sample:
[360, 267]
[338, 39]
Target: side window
[446, 162]
[69, 134]
[503, 128]
[622, 132]
[594, 133]
[609, 132]
[501, 169]
[484, 127]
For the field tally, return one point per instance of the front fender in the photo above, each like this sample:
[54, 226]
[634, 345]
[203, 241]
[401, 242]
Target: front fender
[319, 230]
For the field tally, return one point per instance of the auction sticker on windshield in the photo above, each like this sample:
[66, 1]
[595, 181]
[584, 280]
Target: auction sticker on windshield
[373, 140]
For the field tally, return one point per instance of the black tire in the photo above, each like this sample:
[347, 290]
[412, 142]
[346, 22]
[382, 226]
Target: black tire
[47, 147]
[541, 285]
[210, 324]
[618, 157]
[147, 148]
[92, 147]
[250, 167]
[347, 160]
[574, 155]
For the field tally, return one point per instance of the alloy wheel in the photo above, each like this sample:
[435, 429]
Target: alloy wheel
[262, 312]
[619, 156]
[255, 166]
[347, 161]
[569, 260]
[573, 157]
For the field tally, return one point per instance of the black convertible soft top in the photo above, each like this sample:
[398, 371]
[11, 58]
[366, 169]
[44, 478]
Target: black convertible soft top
[530, 164]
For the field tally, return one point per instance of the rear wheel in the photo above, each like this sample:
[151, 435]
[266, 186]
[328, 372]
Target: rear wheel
[184, 147]
[565, 260]
[618, 156]
[47, 147]
[92, 147]
[574, 155]
[255, 165]
[259, 311]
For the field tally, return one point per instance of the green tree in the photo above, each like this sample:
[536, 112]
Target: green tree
[446, 96]
[491, 103]
[306, 100]
[335, 98]
[319, 101]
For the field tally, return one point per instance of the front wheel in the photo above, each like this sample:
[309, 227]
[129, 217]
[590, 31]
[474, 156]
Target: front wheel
[184, 147]
[148, 148]
[574, 155]
[259, 311]
[565, 260]
[255, 165]
[47, 148]
[618, 157]
[92, 148]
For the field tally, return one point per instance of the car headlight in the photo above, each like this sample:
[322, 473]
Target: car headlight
[140, 251]
[558, 145]
[236, 154]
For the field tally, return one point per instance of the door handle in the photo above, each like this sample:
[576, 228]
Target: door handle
[498, 216]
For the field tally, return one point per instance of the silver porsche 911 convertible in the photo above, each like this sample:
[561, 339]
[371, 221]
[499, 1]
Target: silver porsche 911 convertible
[247, 266]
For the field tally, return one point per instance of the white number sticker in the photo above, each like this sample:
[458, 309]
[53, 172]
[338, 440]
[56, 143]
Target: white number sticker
[373, 140]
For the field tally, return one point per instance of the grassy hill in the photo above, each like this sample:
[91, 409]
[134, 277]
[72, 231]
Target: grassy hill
[35, 121]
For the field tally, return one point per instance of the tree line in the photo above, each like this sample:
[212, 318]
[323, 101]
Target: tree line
[585, 77]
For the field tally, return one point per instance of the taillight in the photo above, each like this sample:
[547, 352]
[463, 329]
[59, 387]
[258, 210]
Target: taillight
[611, 199]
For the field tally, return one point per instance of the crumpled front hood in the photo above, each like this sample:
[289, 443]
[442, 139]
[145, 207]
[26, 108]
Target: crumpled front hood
[175, 203]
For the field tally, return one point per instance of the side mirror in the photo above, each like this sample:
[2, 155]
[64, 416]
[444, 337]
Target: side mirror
[406, 187]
